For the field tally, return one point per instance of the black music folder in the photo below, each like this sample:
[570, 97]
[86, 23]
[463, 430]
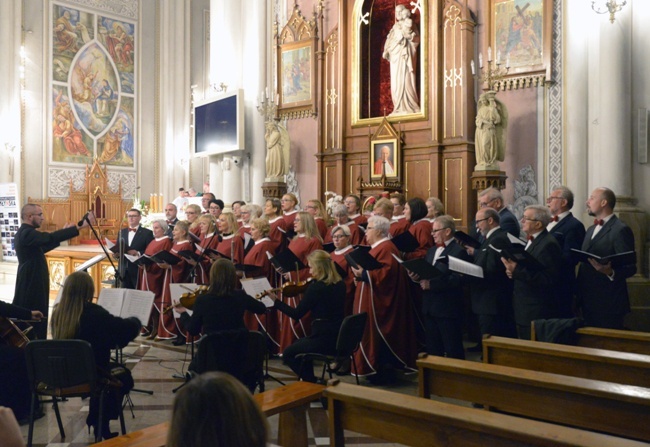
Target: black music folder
[519, 254]
[617, 260]
[360, 257]
[287, 261]
[189, 254]
[211, 252]
[163, 257]
[329, 247]
[422, 268]
[405, 242]
[343, 272]
[466, 240]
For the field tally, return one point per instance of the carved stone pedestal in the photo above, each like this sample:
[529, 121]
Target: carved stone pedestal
[274, 190]
[485, 179]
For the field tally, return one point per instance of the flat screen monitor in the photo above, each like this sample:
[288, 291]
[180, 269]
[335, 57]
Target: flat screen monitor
[219, 124]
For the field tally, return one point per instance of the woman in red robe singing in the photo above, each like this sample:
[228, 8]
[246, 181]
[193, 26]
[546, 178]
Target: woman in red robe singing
[341, 238]
[289, 202]
[317, 210]
[153, 280]
[278, 226]
[340, 214]
[389, 338]
[416, 212]
[306, 241]
[192, 213]
[209, 239]
[231, 245]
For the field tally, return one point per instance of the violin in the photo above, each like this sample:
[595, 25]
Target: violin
[11, 335]
[289, 289]
[188, 299]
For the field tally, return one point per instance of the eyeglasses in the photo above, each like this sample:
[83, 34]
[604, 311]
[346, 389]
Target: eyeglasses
[528, 218]
[484, 204]
[481, 220]
[216, 208]
[370, 228]
[435, 231]
[548, 199]
[309, 207]
[130, 216]
[340, 236]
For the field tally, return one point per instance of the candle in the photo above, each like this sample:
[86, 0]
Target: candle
[471, 64]
[480, 60]
[498, 57]
[266, 92]
[508, 62]
[489, 54]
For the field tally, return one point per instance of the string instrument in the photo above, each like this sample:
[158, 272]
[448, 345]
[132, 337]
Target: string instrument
[187, 299]
[289, 289]
[11, 335]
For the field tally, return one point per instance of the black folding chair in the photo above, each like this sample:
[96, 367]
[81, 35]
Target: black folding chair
[60, 369]
[347, 343]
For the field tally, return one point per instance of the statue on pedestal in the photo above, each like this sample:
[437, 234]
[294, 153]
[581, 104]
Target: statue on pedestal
[400, 50]
[490, 138]
[277, 151]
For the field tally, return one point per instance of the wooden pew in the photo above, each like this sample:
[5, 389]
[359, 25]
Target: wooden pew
[414, 421]
[621, 410]
[576, 361]
[291, 401]
[614, 340]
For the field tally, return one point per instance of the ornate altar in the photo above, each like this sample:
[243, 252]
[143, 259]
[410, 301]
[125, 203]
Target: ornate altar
[108, 207]
[64, 260]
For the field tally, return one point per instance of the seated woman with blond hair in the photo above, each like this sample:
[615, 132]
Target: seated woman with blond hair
[216, 410]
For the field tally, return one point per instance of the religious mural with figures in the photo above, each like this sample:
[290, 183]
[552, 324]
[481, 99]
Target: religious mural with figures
[93, 88]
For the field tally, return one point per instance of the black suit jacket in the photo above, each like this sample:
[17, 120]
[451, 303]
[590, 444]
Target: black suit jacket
[598, 296]
[445, 296]
[509, 222]
[534, 291]
[492, 295]
[570, 233]
[142, 238]
[171, 227]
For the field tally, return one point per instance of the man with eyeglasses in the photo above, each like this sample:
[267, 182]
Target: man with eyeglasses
[491, 295]
[170, 217]
[534, 295]
[493, 198]
[205, 201]
[135, 238]
[33, 278]
[570, 233]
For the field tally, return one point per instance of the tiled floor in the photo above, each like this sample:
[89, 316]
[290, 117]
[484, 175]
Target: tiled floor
[156, 364]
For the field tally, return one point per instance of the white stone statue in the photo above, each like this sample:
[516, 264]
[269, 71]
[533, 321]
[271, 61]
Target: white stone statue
[400, 50]
[490, 138]
[277, 151]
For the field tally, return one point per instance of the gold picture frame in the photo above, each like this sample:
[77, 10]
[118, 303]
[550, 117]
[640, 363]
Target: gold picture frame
[389, 164]
[521, 34]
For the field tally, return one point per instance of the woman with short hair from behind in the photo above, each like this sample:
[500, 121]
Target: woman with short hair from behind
[216, 410]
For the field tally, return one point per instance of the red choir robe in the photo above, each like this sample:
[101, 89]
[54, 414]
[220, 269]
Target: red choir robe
[268, 322]
[180, 275]
[338, 256]
[196, 231]
[322, 226]
[203, 268]
[359, 219]
[421, 230]
[293, 330]
[390, 313]
[232, 247]
[289, 217]
[153, 280]
[277, 233]
[398, 226]
[356, 234]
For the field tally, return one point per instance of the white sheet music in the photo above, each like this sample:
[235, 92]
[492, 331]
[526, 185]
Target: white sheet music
[111, 300]
[127, 303]
[464, 267]
[515, 240]
[255, 286]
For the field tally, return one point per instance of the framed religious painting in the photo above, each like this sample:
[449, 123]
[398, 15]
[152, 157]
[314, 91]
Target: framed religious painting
[521, 38]
[296, 63]
[384, 158]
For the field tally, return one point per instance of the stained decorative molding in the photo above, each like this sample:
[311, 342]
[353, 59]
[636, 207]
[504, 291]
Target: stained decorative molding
[555, 154]
[59, 182]
[525, 191]
[521, 82]
[292, 183]
[123, 8]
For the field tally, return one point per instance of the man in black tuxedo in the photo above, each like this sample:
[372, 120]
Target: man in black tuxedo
[492, 295]
[534, 288]
[170, 217]
[493, 198]
[570, 233]
[442, 299]
[602, 290]
[135, 238]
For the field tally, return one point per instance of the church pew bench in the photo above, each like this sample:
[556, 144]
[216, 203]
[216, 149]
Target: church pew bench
[576, 361]
[290, 401]
[614, 340]
[414, 421]
[617, 409]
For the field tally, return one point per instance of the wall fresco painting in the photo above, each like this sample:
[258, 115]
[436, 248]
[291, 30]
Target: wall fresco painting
[93, 88]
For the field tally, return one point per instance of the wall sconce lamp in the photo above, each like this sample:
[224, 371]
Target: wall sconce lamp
[610, 6]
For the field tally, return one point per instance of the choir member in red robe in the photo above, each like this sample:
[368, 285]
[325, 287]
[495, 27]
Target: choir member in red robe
[231, 245]
[236, 210]
[353, 205]
[435, 208]
[341, 238]
[289, 203]
[415, 211]
[389, 338]
[317, 210]
[258, 259]
[248, 213]
[399, 223]
[384, 208]
[153, 280]
[340, 214]
[208, 239]
[306, 241]
[192, 213]
[277, 224]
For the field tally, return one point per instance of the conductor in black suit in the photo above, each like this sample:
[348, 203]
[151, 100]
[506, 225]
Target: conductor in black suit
[492, 295]
[442, 299]
[492, 197]
[33, 277]
[570, 233]
[534, 289]
[135, 238]
[601, 289]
